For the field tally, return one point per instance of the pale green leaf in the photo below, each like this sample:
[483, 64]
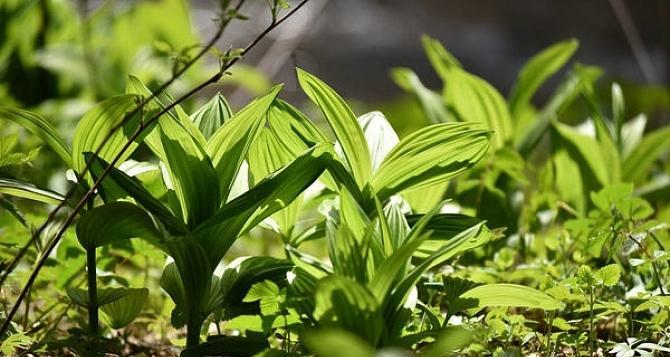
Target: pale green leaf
[39, 127]
[441, 60]
[229, 145]
[344, 303]
[537, 70]
[121, 312]
[29, 191]
[509, 295]
[380, 136]
[97, 124]
[211, 116]
[433, 154]
[474, 100]
[336, 342]
[636, 166]
[343, 122]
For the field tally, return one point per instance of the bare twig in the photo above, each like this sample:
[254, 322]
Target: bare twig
[141, 128]
[634, 40]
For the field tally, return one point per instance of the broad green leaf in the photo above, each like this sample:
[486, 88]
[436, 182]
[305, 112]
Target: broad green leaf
[380, 136]
[118, 185]
[474, 100]
[39, 127]
[170, 281]
[443, 228]
[267, 294]
[433, 154]
[344, 124]
[98, 123]
[587, 149]
[610, 195]
[29, 191]
[195, 273]
[441, 60]
[609, 275]
[431, 102]
[636, 165]
[237, 281]
[508, 295]
[267, 197]
[537, 70]
[568, 181]
[176, 114]
[333, 342]
[449, 340]
[115, 222]
[121, 312]
[287, 121]
[229, 145]
[579, 78]
[191, 173]
[105, 295]
[344, 303]
[211, 116]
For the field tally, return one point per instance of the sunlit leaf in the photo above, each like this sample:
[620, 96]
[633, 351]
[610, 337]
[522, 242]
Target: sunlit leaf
[29, 191]
[537, 70]
[343, 122]
[433, 154]
[511, 295]
[39, 127]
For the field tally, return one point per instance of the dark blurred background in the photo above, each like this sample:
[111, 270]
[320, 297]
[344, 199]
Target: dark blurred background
[352, 44]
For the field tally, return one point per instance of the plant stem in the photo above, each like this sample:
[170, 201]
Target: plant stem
[192, 334]
[92, 291]
[591, 339]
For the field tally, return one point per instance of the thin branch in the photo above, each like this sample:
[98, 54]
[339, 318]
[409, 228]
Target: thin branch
[140, 130]
[634, 40]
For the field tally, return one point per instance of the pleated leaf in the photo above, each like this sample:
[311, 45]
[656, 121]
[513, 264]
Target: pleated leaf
[105, 295]
[432, 104]
[433, 154]
[508, 295]
[229, 145]
[121, 312]
[636, 165]
[115, 222]
[39, 127]
[98, 123]
[380, 136]
[343, 122]
[474, 100]
[344, 303]
[537, 70]
[211, 116]
[29, 191]
[267, 197]
[191, 173]
[118, 185]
